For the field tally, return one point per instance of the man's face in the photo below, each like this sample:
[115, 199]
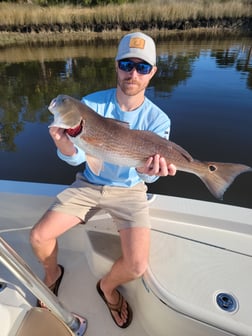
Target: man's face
[131, 83]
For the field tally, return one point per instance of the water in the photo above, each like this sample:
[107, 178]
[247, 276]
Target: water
[205, 86]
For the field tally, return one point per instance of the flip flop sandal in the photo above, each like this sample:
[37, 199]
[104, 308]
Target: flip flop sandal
[54, 287]
[116, 307]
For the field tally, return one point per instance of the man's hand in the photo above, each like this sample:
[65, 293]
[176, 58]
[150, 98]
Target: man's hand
[156, 165]
[62, 141]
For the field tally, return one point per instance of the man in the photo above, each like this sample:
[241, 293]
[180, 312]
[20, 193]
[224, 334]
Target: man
[135, 66]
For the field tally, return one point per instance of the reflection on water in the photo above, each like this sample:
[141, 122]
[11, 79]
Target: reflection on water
[204, 86]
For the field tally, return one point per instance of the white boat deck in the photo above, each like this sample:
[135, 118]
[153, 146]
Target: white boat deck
[77, 291]
[198, 250]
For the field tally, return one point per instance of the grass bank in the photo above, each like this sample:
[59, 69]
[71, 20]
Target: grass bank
[23, 18]
[173, 10]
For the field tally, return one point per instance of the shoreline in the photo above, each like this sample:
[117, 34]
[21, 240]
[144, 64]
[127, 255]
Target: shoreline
[69, 34]
[25, 23]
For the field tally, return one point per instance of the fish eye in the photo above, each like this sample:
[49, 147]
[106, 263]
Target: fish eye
[63, 98]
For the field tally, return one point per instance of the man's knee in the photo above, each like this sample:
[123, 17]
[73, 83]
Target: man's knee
[36, 234]
[35, 237]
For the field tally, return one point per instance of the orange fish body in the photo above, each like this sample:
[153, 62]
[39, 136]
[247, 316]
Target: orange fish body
[110, 140]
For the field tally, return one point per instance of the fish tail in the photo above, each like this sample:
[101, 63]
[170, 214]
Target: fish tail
[219, 176]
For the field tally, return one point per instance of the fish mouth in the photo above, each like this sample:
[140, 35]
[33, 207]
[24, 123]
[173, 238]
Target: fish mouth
[74, 132]
[52, 105]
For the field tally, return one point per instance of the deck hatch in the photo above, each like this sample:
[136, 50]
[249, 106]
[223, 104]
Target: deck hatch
[226, 302]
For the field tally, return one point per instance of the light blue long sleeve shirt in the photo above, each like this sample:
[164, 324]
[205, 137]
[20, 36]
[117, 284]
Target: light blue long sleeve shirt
[146, 117]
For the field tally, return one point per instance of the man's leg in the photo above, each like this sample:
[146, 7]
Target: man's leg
[43, 239]
[135, 243]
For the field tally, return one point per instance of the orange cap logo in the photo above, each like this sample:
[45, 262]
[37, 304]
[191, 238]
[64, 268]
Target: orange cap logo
[137, 42]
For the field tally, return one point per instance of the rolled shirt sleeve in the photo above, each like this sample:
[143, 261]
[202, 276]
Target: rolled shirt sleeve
[74, 160]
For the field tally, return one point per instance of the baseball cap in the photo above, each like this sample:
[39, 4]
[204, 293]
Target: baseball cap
[137, 45]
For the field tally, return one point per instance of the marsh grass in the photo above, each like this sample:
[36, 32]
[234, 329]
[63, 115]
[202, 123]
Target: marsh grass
[172, 10]
[17, 14]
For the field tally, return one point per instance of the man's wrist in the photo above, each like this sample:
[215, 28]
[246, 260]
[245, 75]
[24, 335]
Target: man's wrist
[138, 171]
[68, 152]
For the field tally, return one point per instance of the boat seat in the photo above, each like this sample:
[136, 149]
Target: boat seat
[41, 322]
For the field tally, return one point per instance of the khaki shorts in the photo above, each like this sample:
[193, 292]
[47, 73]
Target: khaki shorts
[127, 206]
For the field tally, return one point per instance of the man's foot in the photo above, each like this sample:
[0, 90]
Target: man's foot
[117, 308]
[54, 287]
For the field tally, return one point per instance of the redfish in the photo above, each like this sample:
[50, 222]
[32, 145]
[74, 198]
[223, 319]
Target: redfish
[109, 140]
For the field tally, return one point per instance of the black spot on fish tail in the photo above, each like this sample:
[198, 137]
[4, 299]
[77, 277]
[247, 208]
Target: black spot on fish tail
[219, 176]
[212, 168]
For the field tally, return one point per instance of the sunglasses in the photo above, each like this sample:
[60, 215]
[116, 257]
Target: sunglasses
[142, 68]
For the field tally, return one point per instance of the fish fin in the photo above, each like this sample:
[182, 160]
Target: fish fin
[119, 122]
[181, 150]
[96, 165]
[219, 176]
